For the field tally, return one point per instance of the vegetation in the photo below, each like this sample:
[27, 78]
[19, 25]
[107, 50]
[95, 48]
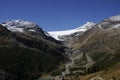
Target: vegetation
[26, 64]
[112, 73]
[26, 56]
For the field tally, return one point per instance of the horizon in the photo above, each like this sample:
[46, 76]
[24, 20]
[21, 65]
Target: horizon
[56, 15]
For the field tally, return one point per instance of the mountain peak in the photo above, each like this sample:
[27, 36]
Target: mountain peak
[87, 25]
[110, 23]
[115, 18]
[19, 25]
[18, 22]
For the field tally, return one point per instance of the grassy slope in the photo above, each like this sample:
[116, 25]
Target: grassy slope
[112, 72]
[103, 46]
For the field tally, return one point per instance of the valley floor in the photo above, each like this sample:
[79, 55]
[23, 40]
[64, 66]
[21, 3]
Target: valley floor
[112, 73]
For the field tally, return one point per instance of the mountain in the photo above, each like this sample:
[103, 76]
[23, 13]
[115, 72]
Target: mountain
[59, 34]
[26, 52]
[97, 48]
[21, 26]
[27, 28]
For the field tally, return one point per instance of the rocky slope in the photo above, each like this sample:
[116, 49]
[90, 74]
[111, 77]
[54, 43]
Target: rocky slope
[27, 28]
[26, 52]
[97, 48]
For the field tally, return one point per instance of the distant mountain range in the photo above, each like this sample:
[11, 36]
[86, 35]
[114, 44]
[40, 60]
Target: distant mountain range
[27, 52]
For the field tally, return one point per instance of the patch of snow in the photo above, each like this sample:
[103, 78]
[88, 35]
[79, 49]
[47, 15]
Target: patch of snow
[47, 34]
[77, 34]
[100, 26]
[32, 30]
[57, 34]
[88, 25]
[116, 26]
[115, 18]
[17, 30]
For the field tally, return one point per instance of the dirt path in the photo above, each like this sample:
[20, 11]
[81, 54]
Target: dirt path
[98, 78]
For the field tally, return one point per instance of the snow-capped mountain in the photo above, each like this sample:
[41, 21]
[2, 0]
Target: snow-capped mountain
[110, 23]
[115, 18]
[27, 28]
[24, 27]
[19, 25]
[83, 28]
[17, 48]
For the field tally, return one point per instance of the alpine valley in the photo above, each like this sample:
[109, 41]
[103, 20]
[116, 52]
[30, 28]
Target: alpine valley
[89, 52]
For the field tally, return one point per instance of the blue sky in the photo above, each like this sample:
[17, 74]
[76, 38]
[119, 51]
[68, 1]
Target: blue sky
[58, 14]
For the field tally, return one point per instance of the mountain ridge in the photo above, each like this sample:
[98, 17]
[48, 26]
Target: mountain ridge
[84, 50]
[57, 34]
[27, 56]
[100, 43]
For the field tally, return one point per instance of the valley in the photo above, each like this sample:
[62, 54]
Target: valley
[89, 52]
[94, 50]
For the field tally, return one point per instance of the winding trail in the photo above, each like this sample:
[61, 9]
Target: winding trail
[70, 64]
[98, 78]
